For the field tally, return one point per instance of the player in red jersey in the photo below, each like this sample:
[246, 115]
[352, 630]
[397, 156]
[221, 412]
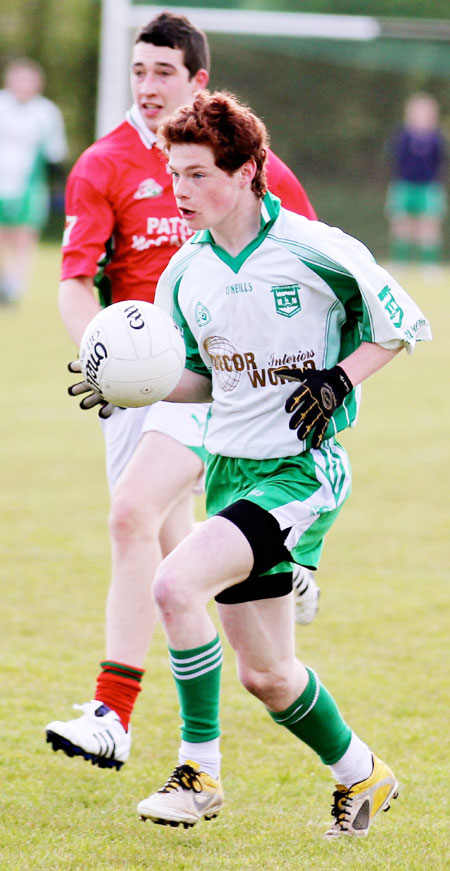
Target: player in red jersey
[122, 227]
[137, 209]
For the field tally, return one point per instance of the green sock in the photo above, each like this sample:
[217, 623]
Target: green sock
[401, 250]
[430, 253]
[315, 718]
[197, 678]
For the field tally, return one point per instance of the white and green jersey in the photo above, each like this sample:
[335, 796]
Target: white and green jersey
[302, 294]
[31, 133]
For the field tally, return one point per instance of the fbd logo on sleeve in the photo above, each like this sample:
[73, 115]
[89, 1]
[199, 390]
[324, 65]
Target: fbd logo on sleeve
[202, 315]
[287, 299]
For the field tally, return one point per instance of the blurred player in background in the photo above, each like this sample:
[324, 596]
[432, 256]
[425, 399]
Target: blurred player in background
[121, 213]
[416, 200]
[32, 141]
[274, 484]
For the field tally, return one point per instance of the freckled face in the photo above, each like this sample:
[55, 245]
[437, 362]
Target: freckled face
[206, 196]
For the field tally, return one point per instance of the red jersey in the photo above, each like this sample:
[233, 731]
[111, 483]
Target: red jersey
[121, 212]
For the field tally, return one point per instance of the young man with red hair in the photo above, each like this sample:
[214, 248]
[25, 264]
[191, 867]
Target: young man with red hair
[264, 298]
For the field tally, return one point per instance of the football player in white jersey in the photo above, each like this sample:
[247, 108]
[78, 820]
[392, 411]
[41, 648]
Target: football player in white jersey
[264, 298]
[32, 136]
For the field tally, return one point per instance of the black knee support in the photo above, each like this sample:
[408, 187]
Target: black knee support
[266, 540]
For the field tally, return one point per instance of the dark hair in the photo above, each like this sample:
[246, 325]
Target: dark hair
[176, 31]
[233, 132]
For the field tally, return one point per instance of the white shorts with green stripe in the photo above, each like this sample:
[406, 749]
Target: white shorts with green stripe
[304, 493]
[184, 422]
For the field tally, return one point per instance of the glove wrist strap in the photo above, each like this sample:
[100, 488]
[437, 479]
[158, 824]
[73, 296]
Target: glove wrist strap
[341, 382]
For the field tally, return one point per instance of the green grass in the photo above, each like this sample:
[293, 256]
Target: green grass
[380, 641]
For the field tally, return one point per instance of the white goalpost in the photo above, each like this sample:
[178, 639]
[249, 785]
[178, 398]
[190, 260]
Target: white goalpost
[122, 18]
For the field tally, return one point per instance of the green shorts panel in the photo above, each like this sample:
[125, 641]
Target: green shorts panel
[304, 493]
[30, 210]
[201, 452]
[409, 198]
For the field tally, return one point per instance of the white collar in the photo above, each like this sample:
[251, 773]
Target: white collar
[134, 117]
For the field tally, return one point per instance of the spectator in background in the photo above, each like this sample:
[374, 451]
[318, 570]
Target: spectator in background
[32, 136]
[416, 199]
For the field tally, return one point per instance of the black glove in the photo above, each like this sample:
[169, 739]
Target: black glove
[314, 402]
[93, 398]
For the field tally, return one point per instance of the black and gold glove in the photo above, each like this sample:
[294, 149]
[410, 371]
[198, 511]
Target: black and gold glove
[314, 402]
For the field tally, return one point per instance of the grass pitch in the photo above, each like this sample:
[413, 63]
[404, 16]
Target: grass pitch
[379, 642]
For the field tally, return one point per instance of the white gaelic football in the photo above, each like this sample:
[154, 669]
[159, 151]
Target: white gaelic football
[132, 353]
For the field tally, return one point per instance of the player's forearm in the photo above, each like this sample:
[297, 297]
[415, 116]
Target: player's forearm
[77, 305]
[365, 361]
[191, 387]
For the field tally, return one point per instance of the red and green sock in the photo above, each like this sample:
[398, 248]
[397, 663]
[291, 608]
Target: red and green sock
[118, 686]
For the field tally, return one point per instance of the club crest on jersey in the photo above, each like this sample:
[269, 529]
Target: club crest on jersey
[287, 299]
[202, 315]
[147, 189]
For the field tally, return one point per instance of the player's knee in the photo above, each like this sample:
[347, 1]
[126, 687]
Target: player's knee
[129, 520]
[167, 591]
[267, 684]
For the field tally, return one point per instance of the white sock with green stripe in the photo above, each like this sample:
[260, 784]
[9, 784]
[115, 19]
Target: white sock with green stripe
[197, 678]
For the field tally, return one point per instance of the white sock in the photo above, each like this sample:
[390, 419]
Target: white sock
[355, 765]
[12, 286]
[206, 753]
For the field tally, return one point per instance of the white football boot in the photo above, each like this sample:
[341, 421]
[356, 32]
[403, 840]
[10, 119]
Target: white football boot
[98, 736]
[354, 808]
[188, 795]
[306, 594]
